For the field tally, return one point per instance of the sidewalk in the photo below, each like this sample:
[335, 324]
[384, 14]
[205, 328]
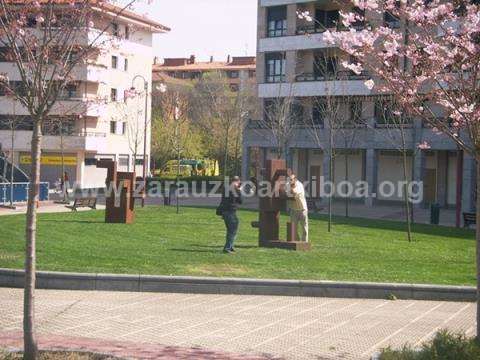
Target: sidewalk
[45, 207]
[227, 327]
[356, 210]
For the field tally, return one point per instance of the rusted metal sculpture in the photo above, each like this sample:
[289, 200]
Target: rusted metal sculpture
[120, 203]
[275, 173]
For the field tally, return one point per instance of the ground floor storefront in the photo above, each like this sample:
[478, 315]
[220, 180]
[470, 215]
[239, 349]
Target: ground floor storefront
[446, 177]
[80, 167]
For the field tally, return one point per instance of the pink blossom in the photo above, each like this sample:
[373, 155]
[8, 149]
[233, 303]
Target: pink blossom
[370, 84]
[356, 68]
[424, 146]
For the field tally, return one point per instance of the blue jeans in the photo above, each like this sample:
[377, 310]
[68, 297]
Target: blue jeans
[231, 223]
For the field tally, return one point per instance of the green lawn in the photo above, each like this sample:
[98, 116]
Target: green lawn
[164, 243]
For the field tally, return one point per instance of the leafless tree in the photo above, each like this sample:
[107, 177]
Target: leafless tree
[47, 40]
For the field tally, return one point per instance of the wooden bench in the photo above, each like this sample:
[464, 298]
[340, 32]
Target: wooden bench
[469, 219]
[90, 202]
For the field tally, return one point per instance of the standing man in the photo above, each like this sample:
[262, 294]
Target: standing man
[231, 198]
[297, 205]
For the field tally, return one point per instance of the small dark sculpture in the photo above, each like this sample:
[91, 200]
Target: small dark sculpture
[268, 225]
[120, 204]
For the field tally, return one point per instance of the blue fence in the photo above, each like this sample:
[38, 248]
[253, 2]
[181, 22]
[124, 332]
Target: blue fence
[20, 192]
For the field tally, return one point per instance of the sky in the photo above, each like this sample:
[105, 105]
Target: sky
[205, 28]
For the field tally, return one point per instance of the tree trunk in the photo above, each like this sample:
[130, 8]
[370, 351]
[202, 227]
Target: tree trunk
[347, 175]
[29, 339]
[225, 151]
[478, 245]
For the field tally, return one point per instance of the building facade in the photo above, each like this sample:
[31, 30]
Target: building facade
[296, 64]
[239, 71]
[83, 128]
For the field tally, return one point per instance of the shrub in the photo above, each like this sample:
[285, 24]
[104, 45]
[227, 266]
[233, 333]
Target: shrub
[444, 346]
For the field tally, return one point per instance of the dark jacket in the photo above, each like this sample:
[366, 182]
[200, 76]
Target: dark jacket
[231, 201]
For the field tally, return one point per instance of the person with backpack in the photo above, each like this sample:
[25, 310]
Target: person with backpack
[231, 199]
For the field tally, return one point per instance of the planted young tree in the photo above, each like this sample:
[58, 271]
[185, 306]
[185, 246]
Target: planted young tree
[280, 121]
[46, 41]
[331, 111]
[392, 125]
[437, 78]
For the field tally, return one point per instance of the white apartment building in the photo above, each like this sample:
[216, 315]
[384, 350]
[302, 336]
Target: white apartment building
[93, 130]
[287, 67]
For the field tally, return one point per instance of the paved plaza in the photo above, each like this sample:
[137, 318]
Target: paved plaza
[229, 326]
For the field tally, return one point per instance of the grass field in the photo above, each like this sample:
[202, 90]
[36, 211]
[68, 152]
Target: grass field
[164, 243]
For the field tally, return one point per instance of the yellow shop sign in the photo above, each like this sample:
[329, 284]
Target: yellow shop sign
[55, 160]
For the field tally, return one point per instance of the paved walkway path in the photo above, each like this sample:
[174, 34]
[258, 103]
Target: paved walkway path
[153, 325]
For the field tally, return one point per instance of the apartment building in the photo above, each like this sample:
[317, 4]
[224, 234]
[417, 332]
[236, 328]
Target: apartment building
[239, 71]
[82, 129]
[295, 63]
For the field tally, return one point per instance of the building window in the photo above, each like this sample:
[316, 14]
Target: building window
[127, 32]
[90, 162]
[114, 62]
[318, 112]
[390, 19]
[125, 65]
[324, 67]
[275, 67]
[277, 21]
[115, 30]
[113, 127]
[251, 73]
[139, 161]
[327, 19]
[233, 74]
[113, 94]
[355, 112]
[124, 128]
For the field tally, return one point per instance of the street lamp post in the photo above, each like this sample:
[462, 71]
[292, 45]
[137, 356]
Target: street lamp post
[145, 85]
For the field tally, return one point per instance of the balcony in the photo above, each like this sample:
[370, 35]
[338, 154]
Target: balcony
[66, 106]
[84, 141]
[290, 43]
[340, 75]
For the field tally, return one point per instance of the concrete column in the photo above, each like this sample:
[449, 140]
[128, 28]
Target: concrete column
[291, 19]
[261, 21]
[291, 66]
[469, 180]
[260, 68]
[418, 171]
[371, 174]
[245, 162]
[442, 174]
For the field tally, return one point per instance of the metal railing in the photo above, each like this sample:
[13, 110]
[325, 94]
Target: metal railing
[340, 75]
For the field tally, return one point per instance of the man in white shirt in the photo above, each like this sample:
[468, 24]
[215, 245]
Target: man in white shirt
[297, 205]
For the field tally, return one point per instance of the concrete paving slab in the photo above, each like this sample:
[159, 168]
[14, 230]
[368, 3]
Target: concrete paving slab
[256, 327]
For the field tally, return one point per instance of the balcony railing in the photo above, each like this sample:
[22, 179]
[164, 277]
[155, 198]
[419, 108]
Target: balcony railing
[319, 28]
[340, 75]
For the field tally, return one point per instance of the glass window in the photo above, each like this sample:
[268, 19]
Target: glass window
[318, 112]
[327, 19]
[113, 127]
[113, 94]
[275, 67]
[125, 65]
[325, 66]
[114, 62]
[115, 31]
[277, 21]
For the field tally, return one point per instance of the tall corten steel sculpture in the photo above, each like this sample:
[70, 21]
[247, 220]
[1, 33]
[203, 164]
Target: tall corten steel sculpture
[275, 173]
[120, 203]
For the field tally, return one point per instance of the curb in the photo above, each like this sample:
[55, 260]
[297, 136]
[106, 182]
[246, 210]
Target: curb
[210, 285]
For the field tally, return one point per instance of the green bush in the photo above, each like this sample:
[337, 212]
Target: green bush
[445, 346]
